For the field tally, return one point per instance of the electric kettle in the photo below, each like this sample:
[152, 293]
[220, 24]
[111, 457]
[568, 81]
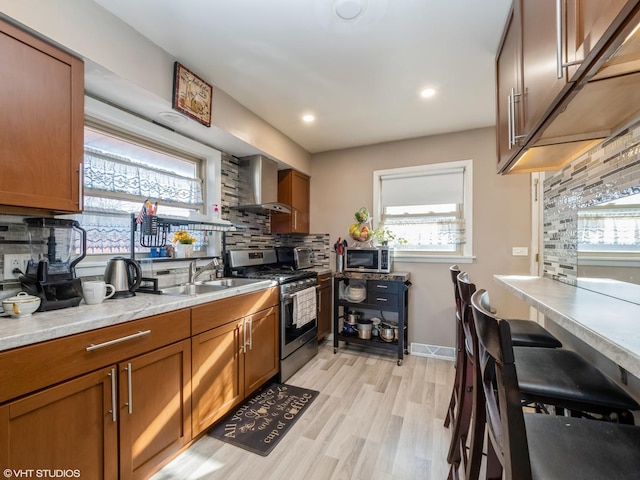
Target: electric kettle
[124, 274]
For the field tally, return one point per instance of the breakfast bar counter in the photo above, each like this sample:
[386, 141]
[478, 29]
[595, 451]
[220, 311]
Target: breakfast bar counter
[607, 324]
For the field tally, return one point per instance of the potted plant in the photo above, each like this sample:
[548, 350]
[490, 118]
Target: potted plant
[184, 244]
[384, 236]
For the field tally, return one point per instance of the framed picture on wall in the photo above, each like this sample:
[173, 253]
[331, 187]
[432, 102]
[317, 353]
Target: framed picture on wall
[191, 94]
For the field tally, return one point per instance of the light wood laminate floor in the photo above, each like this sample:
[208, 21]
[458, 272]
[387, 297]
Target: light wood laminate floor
[372, 420]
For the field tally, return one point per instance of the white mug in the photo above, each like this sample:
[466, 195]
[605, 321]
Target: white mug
[96, 291]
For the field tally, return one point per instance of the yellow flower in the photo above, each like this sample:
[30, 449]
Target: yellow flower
[183, 237]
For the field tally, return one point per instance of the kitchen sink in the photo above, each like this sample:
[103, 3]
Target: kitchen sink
[231, 282]
[192, 289]
[208, 286]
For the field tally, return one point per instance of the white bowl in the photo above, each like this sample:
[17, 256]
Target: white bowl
[356, 293]
[21, 305]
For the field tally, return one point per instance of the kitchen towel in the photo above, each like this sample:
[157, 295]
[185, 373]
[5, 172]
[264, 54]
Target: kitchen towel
[304, 306]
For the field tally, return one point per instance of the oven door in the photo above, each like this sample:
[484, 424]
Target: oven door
[292, 337]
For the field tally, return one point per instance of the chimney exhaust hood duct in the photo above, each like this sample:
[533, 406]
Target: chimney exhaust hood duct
[258, 179]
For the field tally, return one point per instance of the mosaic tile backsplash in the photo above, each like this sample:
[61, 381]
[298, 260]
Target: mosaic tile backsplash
[608, 171]
[255, 225]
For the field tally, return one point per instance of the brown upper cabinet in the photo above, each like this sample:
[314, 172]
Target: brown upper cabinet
[41, 125]
[293, 190]
[553, 99]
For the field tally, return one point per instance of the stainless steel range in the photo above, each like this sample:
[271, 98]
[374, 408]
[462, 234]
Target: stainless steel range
[298, 309]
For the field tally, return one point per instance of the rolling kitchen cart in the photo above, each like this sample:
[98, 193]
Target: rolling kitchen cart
[383, 296]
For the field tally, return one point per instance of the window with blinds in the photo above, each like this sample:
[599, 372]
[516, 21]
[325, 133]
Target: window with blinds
[428, 207]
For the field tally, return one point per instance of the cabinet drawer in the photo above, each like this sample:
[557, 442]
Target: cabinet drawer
[383, 299]
[30, 368]
[220, 312]
[383, 286]
[325, 280]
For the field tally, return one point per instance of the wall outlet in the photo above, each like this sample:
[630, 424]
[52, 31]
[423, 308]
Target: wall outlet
[12, 261]
[520, 251]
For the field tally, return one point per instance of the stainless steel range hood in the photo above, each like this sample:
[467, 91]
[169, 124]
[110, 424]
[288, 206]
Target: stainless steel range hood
[258, 182]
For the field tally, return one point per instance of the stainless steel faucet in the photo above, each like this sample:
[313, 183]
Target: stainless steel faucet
[194, 273]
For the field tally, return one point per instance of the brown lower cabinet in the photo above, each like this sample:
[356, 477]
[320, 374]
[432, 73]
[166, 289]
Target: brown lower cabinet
[154, 404]
[230, 362]
[144, 401]
[324, 299]
[117, 402]
[64, 427]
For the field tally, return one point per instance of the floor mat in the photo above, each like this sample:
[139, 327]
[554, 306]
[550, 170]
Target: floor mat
[261, 421]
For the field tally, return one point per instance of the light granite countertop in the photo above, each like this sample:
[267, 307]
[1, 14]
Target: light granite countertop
[609, 325]
[41, 326]
[320, 270]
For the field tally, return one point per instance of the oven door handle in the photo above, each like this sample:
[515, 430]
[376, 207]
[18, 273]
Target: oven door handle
[289, 296]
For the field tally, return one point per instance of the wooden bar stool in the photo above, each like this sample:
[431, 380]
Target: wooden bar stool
[461, 404]
[547, 376]
[459, 379]
[533, 446]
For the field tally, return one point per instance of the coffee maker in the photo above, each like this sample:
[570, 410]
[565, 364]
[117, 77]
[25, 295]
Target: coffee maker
[57, 245]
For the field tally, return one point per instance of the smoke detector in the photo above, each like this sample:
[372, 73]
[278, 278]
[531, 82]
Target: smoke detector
[348, 10]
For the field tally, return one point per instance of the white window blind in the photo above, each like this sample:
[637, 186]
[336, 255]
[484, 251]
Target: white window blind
[428, 206]
[440, 187]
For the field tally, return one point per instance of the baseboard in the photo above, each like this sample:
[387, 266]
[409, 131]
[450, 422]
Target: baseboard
[433, 351]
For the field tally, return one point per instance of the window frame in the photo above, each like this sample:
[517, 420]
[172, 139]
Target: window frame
[103, 116]
[418, 256]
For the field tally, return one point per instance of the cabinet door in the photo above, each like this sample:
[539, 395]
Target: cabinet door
[300, 202]
[262, 357]
[293, 189]
[587, 22]
[70, 426]
[509, 89]
[41, 123]
[218, 374]
[542, 86]
[155, 408]
[324, 307]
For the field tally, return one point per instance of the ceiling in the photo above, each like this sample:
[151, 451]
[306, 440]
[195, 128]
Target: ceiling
[361, 78]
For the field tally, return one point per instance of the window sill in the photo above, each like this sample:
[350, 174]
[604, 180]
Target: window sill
[418, 257]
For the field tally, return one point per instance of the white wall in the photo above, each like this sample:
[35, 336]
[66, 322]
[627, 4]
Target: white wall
[129, 70]
[342, 182]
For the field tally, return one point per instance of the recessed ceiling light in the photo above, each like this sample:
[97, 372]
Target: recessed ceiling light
[427, 92]
[308, 118]
[348, 9]
[173, 117]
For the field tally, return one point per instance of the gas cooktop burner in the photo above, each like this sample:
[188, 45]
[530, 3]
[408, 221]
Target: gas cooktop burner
[264, 264]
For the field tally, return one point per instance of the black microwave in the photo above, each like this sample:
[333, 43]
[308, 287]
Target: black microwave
[368, 259]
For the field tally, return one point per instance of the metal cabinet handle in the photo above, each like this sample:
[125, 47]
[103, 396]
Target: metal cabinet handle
[381, 286]
[509, 120]
[244, 336]
[118, 340]
[81, 186]
[113, 411]
[559, 42]
[513, 138]
[319, 302]
[382, 299]
[251, 334]
[295, 219]
[129, 403]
